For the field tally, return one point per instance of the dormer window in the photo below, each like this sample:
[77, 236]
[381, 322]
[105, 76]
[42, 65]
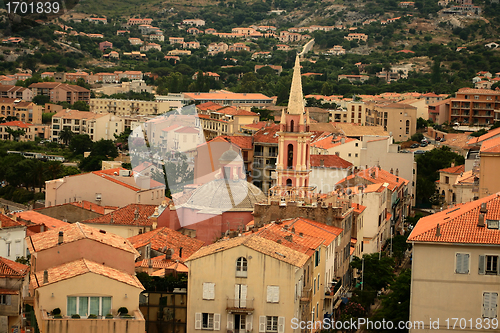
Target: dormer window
[241, 267]
[492, 224]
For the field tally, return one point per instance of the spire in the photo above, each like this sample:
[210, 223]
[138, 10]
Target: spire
[296, 100]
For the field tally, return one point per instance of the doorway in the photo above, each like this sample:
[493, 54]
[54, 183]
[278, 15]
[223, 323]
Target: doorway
[239, 323]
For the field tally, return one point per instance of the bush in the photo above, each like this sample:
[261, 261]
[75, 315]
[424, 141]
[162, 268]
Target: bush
[58, 316]
[123, 311]
[56, 311]
[75, 316]
[109, 316]
[92, 316]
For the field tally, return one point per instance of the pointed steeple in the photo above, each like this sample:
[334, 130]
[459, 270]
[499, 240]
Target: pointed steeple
[296, 101]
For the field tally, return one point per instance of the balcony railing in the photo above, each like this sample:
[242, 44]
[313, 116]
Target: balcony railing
[239, 304]
[306, 295]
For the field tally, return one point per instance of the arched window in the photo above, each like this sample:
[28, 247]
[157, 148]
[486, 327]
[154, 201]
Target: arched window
[289, 182]
[290, 156]
[291, 126]
[241, 267]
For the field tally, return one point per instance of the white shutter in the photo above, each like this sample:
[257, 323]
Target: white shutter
[248, 324]
[216, 321]
[459, 265]
[486, 305]
[211, 291]
[243, 296]
[276, 294]
[281, 324]
[493, 305]
[229, 321]
[466, 263]
[197, 321]
[481, 264]
[236, 295]
[262, 321]
[205, 290]
[269, 294]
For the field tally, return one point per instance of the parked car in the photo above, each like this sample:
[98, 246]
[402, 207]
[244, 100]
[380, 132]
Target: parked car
[424, 144]
[419, 152]
[415, 145]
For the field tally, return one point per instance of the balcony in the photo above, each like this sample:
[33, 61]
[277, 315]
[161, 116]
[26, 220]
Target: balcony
[239, 305]
[306, 295]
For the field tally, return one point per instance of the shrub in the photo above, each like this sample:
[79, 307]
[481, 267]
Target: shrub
[92, 316]
[109, 316]
[123, 311]
[56, 311]
[75, 316]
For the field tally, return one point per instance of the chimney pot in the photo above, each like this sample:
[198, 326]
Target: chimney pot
[480, 222]
[180, 252]
[438, 230]
[60, 238]
[483, 209]
[45, 276]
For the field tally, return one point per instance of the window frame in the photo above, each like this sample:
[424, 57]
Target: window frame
[207, 315]
[459, 261]
[99, 314]
[242, 267]
[270, 322]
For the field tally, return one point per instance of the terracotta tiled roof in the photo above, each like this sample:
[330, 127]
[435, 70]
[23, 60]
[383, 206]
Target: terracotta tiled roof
[256, 243]
[80, 267]
[313, 228]
[9, 268]
[162, 263]
[267, 134]
[467, 178]
[304, 240]
[6, 222]
[128, 182]
[377, 187]
[244, 142]
[491, 146]
[226, 95]
[455, 169]
[356, 130]
[458, 224]
[16, 123]
[126, 216]
[93, 207]
[38, 218]
[167, 238]
[236, 112]
[358, 208]
[329, 161]
[74, 232]
[376, 175]
[177, 266]
[330, 142]
[209, 106]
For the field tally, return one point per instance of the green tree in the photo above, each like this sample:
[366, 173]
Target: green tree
[80, 143]
[41, 99]
[65, 135]
[378, 273]
[81, 106]
[105, 149]
[16, 134]
[91, 163]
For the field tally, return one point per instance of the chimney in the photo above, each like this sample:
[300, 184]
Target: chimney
[180, 252]
[111, 220]
[438, 231]
[301, 234]
[483, 209]
[342, 140]
[293, 229]
[61, 238]
[45, 276]
[169, 254]
[392, 171]
[285, 227]
[289, 238]
[136, 214]
[278, 241]
[397, 171]
[452, 164]
[480, 222]
[42, 227]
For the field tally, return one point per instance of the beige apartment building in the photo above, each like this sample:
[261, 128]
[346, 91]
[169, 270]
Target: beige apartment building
[349, 112]
[113, 187]
[489, 164]
[399, 119]
[87, 272]
[24, 111]
[61, 92]
[455, 268]
[126, 107]
[9, 91]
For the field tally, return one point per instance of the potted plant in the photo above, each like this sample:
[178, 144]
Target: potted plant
[75, 316]
[92, 316]
[57, 316]
[56, 313]
[109, 316]
[122, 311]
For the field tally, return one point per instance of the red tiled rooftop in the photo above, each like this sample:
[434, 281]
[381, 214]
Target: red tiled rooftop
[455, 169]
[126, 216]
[38, 218]
[329, 161]
[9, 268]
[6, 222]
[267, 134]
[491, 146]
[458, 224]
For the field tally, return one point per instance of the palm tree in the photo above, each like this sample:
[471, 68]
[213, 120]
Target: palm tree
[15, 133]
[65, 135]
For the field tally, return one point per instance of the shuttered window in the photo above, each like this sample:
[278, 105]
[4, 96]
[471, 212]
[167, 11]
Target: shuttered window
[208, 290]
[490, 305]
[462, 263]
[273, 294]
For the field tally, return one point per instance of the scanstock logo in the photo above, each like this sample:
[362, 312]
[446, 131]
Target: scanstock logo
[164, 152]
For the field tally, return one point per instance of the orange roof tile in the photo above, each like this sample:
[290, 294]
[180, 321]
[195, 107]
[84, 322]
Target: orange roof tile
[16, 123]
[38, 218]
[455, 169]
[80, 267]
[126, 216]
[7, 222]
[358, 208]
[458, 224]
[330, 161]
[267, 134]
[491, 146]
[9, 268]
[312, 228]
[175, 266]
[75, 232]
[169, 239]
[378, 175]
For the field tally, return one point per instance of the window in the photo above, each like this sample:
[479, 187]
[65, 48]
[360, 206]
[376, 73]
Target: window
[241, 267]
[492, 224]
[271, 324]
[208, 290]
[84, 306]
[490, 305]
[488, 264]
[207, 321]
[462, 263]
[317, 258]
[5, 299]
[314, 287]
[273, 294]
[8, 249]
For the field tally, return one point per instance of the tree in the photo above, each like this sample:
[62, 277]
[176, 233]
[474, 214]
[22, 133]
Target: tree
[105, 149]
[421, 123]
[91, 163]
[16, 134]
[377, 273]
[41, 99]
[80, 143]
[81, 106]
[65, 135]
